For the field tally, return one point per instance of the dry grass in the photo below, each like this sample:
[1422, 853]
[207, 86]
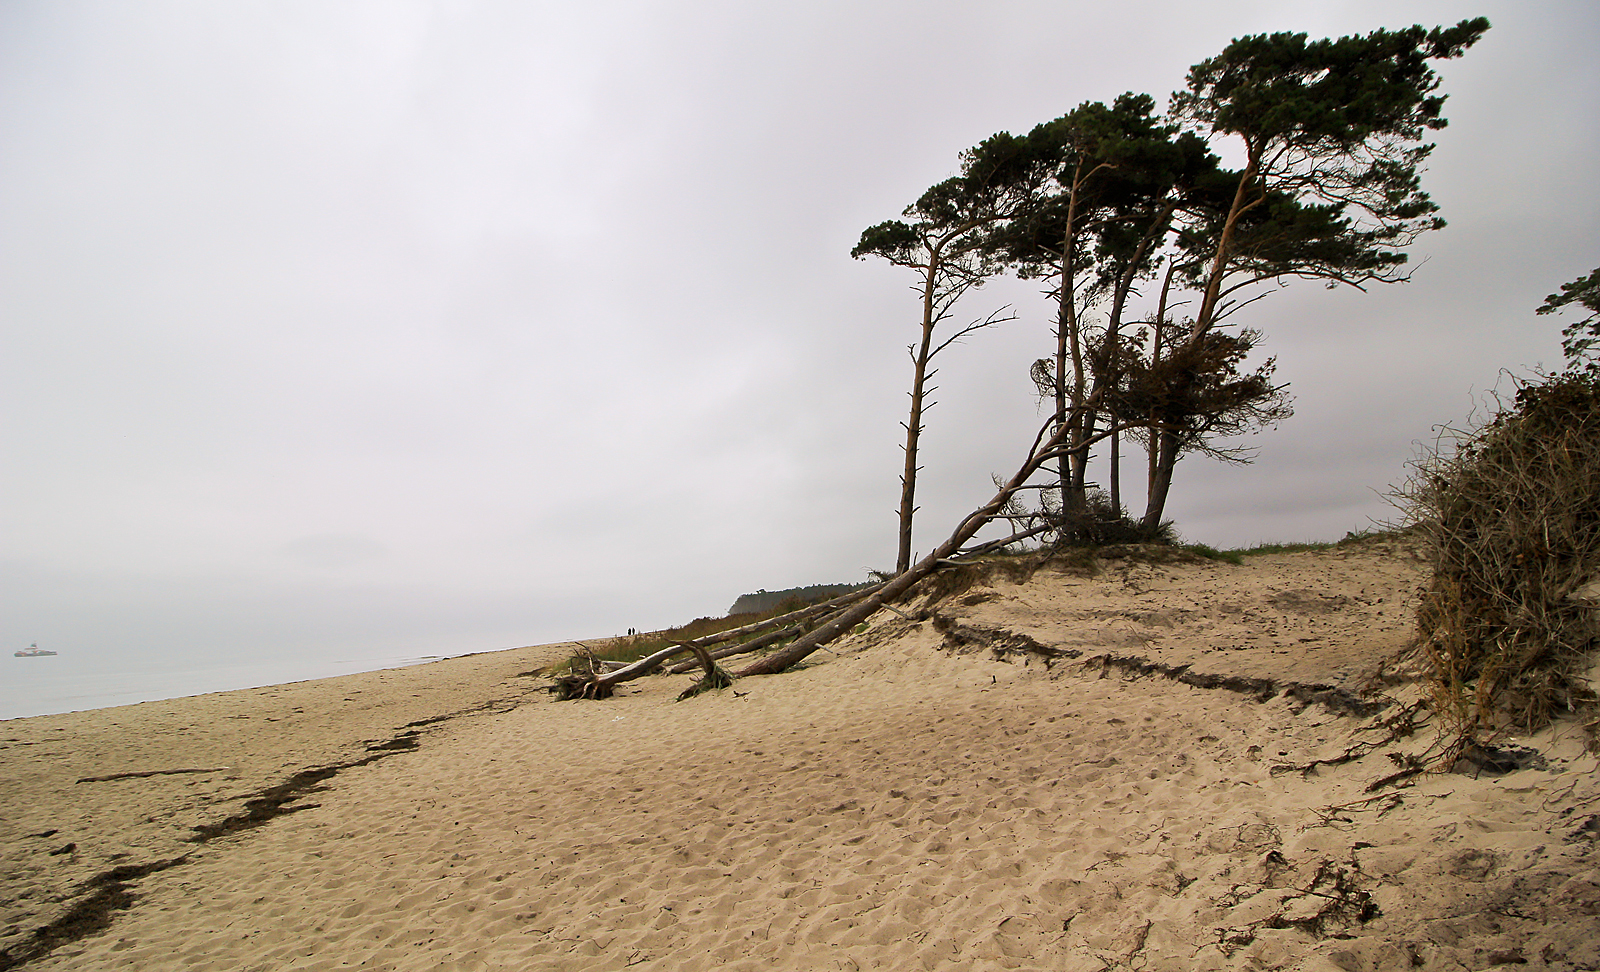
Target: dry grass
[1509, 518]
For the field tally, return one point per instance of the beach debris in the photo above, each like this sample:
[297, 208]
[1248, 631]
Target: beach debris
[108, 892]
[275, 801]
[594, 678]
[716, 678]
[141, 774]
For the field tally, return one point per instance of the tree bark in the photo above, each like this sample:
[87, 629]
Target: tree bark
[1164, 462]
[1116, 474]
[908, 478]
[1206, 314]
[1043, 451]
[1205, 317]
[1069, 343]
[600, 686]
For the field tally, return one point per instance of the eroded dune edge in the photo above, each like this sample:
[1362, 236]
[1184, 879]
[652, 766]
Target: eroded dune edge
[1159, 766]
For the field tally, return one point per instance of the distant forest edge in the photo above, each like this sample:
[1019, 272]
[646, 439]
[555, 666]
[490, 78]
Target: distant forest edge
[764, 600]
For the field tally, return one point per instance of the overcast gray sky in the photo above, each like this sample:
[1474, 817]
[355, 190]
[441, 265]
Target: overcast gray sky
[437, 327]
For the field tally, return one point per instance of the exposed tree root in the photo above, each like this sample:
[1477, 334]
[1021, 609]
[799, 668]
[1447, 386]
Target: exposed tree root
[716, 678]
[1335, 699]
[961, 636]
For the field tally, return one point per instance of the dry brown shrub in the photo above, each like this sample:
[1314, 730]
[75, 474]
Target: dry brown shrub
[1509, 519]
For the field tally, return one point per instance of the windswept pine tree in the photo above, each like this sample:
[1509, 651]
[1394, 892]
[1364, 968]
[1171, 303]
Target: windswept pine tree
[1108, 198]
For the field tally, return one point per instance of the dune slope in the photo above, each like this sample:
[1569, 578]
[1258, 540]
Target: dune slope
[1159, 766]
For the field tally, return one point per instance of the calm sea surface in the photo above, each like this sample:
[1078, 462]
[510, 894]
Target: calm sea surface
[72, 681]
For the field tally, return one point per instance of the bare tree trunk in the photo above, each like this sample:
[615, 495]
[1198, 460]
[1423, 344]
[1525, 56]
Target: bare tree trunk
[1163, 464]
[743, 648]
[1069, 343]
[913, 425]
[1044, 450]
[1116, 473]
[782, 620]
[1206, 314]
[1205, 317]
[1153, 439]
[1104, 370]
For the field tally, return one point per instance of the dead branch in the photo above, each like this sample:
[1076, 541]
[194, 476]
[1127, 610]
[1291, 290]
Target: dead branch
[599, 685]
[993, 319]
[793, 617]
[745, 647]
[1000, 544]
[603, 676]
[1043, 449]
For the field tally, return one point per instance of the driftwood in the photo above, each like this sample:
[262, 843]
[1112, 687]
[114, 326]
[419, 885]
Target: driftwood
[598, 683]
[742, 648]
[802, 616]
[795, 620]
[946, 554]
[859, 605]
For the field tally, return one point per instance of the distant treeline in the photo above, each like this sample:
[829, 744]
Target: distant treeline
[764, 600]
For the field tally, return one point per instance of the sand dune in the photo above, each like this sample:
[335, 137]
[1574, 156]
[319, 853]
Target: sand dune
[1152, 768]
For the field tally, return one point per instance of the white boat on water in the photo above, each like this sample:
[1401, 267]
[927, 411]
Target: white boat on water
[33, 651]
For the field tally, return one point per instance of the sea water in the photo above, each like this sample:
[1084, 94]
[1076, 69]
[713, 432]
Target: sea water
[73, 681]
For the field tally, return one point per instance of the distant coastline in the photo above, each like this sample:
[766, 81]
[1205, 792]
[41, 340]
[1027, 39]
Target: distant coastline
[765, 600]
[78, 682]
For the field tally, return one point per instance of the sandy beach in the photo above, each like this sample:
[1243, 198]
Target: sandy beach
[1156, 766]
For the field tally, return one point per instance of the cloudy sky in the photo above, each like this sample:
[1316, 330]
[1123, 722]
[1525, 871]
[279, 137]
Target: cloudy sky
[424, 328]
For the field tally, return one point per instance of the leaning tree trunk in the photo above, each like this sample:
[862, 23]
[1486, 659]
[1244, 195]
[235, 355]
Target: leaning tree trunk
[908, 478]
[1163, 463]
[1038, 457]
[599, 684]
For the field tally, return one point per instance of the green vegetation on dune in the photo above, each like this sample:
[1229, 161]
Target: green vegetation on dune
[765, 600]
[1236, 555]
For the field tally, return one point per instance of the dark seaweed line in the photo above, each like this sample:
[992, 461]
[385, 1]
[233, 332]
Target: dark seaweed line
[1335, 699]
[106, 894]
[1003, 641]
[109, 892]
[141, 774]
[274, 801]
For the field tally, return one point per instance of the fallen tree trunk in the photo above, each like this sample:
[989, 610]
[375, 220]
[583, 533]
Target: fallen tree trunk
[607, 675]
[1042, 452]
[602, 676]
[743, 648]
[809, 611]
[597, 684]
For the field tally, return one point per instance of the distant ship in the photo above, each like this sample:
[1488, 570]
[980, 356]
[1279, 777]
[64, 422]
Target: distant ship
[33, 651]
